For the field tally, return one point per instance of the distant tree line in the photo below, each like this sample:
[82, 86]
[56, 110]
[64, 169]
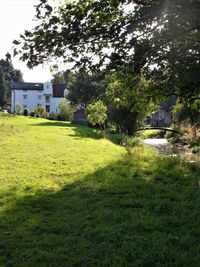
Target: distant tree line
[7, 74]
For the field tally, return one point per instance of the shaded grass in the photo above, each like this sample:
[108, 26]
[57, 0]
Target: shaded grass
[80, 201]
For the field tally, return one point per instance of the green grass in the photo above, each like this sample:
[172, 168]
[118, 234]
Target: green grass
[69, 198]
[151, 133]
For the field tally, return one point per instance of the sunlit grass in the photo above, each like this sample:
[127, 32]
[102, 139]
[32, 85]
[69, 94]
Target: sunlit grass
[150, 133]
[71, 198]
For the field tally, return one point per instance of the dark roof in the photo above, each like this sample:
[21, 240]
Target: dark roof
[27, 86]
[58, 90]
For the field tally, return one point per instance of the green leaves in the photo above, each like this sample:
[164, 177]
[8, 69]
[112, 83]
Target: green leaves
[154, 37]
[7, 74]
[96, 113]
[84, 88]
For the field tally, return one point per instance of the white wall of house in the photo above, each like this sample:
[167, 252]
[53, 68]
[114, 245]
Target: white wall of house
[27, 98]
[54, 104]
[31, 98]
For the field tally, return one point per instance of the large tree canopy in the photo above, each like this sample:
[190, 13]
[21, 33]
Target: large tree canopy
[133, 36]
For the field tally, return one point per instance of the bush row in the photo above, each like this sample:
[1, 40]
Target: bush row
[64, 112]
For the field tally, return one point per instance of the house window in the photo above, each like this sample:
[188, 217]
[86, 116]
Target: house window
[47, 99]
[39, 105]
[24, 96]
[24, 106]
[47, 108]
[39, 97]
[47, 86]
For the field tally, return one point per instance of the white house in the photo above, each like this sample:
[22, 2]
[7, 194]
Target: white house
[30, 95]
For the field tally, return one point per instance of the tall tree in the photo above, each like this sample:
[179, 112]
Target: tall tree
[7, 74]
[126, 35]
[2, 87]
[84, 88]
[61, 77]
[128, 101]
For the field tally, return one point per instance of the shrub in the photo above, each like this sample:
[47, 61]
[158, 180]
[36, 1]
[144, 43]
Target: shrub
[116, 138]
[65, 111]
[32, 114]
[190, 133]
[52, 116]
[45, 114]
[186, 112]
[96, 113]
[18, 109]
[40, 112]
[25, 112]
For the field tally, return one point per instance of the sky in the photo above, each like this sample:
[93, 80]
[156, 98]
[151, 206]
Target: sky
[15, 17]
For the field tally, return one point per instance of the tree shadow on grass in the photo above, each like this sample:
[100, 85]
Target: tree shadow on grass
[54, 123]
[80, 131]
[126, 214]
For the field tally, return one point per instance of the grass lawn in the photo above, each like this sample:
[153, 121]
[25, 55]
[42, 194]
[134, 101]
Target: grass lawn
[68, 198]
[151, 133]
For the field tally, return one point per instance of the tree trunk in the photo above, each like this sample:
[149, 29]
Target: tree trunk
[131, 123]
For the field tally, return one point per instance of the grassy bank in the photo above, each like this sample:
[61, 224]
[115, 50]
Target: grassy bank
[68, 198]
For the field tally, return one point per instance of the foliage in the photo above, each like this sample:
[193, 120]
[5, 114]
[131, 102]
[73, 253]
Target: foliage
[190, 133]
[96, 113]
[65, 111]
[60, 77]
[116, 138]
[7, 75]
[18, 108]
[2, 87]
[88, 204]
[128, 102]
[32, 114]
[196, 149]
[25, 112]
[187, 117]
[40, 112]
[127, 35]
[84, 88]
[187, 112]
[125, 99]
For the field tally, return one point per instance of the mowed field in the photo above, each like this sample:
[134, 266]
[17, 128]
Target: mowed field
[71, 198]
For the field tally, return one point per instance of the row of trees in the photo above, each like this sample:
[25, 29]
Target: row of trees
[7, 74]
[122, 96]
